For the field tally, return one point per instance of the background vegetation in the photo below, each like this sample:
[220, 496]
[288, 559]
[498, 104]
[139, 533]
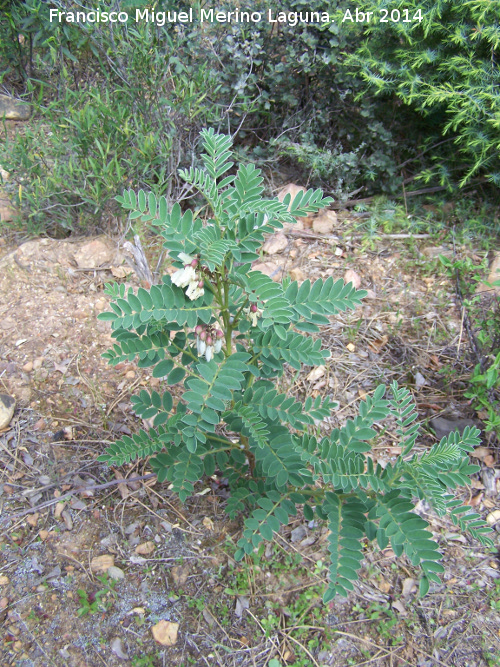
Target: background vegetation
[350, 105]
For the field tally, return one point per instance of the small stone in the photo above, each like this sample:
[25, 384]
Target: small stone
[117, 648]
[270, 269]
[7, 211]
[276, 243]
[165, 633]
[325, 222]
[493, 517]
[7, 407]
[298, 275]
[102, 563]
[4, 580]
[115, 573]
[443, 427]
[493, 277]
[130, 375]
[351, 276]
[292, 190]
[298, 534]
[38, 363]
[12, 109]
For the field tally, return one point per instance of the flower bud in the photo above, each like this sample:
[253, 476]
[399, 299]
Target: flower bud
[194, 263]
[203, 335]
[253, 308]
[198, 329]
[209, 340]
[219, 333]
[201, 283]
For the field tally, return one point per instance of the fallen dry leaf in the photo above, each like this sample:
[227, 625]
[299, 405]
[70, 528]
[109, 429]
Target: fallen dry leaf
[480, 453]
[121, 271]
[145, 548]
[208, 523]
[122, 486]
[475, 500]
[101, 563]
[58, 509]
[489, 461]
[316, 373]
[384, 586]
[180, 574]
[165, 633]
[378, 344]
[409, 587]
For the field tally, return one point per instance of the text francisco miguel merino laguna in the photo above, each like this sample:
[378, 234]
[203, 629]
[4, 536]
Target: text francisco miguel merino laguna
[204, 16]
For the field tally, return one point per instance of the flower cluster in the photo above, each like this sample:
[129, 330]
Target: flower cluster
[208, 341]
[189, 277]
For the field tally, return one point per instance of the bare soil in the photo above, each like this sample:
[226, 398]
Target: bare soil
[61, 509]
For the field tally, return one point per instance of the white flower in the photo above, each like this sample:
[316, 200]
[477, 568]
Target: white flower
[201, 346]
[218, 345]
[253, 313]
[185, 259]
[184, 277]
[194, 291]
[209, 352]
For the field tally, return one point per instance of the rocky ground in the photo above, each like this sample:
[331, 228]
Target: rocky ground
[105, 567]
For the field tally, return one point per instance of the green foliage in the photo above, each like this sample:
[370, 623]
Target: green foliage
[445, 67]
[121, 103]
[97, 601]
[483, 313]
[111, 104]
[220, 334]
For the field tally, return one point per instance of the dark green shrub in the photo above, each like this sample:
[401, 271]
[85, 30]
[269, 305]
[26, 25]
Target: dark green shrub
[446, 68]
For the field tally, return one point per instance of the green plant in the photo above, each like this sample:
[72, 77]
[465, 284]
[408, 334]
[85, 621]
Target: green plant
[439, 58]
[145, 660]
[221, 333]
[98, 601]
[484, 389]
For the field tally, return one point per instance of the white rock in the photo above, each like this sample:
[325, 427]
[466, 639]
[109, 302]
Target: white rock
[7, 407]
